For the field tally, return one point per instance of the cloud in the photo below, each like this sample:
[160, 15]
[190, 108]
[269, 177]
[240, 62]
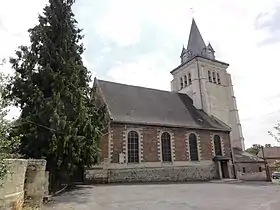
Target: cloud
[139, 42]
[268, 22]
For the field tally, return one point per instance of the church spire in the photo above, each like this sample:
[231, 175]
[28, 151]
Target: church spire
[195, 43]
[196, 46]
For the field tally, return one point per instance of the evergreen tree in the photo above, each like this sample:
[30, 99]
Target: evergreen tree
[59, 121]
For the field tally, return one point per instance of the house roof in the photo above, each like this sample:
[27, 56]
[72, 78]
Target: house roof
[140, 105]
[270, 152]
[242, 156]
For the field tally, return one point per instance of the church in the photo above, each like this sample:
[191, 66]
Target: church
[184, 134]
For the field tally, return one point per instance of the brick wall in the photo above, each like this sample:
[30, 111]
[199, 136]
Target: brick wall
[226, 143]
[103, 146]
[205, 145]
[181, 146]
[117, 137]
[151, 142]
[150, 148]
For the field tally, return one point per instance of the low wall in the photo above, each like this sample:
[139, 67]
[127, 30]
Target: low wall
[254, 171]
[12, 186]
[160, 174]
[253, 176]
[34, 186]
[24, 184]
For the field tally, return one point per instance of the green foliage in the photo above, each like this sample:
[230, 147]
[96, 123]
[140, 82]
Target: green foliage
[254, 149]
[7, 144]
[59, 121]
[276, 134]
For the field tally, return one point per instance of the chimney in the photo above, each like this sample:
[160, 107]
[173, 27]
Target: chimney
[268, 145]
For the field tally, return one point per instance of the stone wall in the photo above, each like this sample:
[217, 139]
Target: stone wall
[257, 176]
[25, 180]
[34, 186]
[152, 174]
[12, 187]
[254, 171]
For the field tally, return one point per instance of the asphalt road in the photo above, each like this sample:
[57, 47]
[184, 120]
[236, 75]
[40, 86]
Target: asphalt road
[196, 196]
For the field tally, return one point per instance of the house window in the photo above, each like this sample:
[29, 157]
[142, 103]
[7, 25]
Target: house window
[218, 78]
[243, 169]
[186, 81]
[190, 78]
[166, 147]
[193, 147]
[214, 76]
[133, 147]
[260, 169]
[217, 145]
[182, 82]
[209, 76]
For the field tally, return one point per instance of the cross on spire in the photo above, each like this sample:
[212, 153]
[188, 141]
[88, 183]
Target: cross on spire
[192, 12]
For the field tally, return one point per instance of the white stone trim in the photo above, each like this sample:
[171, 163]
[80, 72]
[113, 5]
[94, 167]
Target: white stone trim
[159, 145]
[141, 145]
[198, 144]
[124, 143]
[187, 146]
[172, 144]
[213, 144]
[173, 148]
[110, 145]
[140, 142]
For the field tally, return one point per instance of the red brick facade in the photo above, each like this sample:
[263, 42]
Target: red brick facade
[150, 138]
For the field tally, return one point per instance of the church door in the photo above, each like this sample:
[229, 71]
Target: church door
[224, 167]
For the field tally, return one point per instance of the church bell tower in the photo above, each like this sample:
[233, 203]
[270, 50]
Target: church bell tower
[208, 83]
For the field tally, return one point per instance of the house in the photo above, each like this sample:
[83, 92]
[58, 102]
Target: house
[249, 167]
[179, 135]
[271, 155]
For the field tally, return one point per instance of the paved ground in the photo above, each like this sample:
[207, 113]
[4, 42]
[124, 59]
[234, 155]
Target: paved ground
[196, 196]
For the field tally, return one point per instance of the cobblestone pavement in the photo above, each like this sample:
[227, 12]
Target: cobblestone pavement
[196, 196]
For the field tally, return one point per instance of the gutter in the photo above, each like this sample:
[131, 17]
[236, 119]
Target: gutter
[168, 125]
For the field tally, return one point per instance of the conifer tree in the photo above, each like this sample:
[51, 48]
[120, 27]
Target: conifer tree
[58, 121]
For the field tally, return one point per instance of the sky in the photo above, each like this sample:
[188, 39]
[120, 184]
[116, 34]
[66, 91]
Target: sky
[139, 42]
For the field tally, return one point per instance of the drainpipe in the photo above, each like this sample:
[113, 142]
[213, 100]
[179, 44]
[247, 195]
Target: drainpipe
[200, 88]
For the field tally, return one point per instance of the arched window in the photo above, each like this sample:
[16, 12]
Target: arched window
[132, 147]
[166, 147]
[193, 147]
[214, 76]
[186, 81]
[190, 78]
[182, 82]
[218, 78]
[209, 76]
[217, 145]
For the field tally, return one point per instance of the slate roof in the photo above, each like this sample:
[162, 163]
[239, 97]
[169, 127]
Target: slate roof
[139, 105]
[245, 157]
[270, 152]
[195, 43]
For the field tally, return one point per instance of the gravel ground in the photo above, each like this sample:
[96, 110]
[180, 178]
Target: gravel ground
[196, 196]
